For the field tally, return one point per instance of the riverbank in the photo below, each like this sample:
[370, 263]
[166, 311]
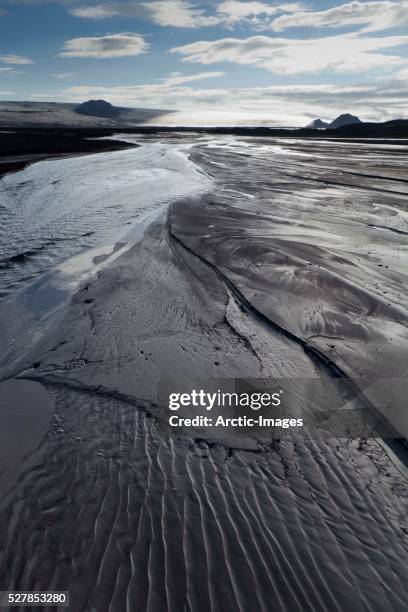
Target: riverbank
[18, 149]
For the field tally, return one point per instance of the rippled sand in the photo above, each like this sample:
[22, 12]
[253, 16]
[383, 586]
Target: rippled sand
[293, 264]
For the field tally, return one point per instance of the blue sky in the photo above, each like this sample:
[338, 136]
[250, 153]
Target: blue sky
[275, 62]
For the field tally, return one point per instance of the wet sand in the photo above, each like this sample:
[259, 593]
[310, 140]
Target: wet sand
[18, 149]
[26, 410]
[282, 269]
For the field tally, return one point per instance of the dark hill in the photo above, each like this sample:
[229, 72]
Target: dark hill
[389, 129]
[98, 108]
[344, 119]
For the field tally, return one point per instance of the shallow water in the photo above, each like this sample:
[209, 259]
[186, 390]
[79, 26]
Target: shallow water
[56, 209]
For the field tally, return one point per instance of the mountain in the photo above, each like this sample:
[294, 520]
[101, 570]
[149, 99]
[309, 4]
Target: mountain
[57, 115]
[345, 119]
[341, 120]
[318, 124]
[98, 108]
[398, 128]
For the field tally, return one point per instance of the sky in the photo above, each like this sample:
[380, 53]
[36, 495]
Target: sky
[277, 63]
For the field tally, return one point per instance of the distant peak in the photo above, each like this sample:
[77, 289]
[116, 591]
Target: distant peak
[318, 124]
[344, 119]
[98, 108]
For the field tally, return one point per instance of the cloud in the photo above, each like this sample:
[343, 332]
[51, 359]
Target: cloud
[174, 13]
[233, 12]
[156, 91]
[378, 15]
[62, 76]
[15, 59]
[403, 74]
[179, 14]
[182, 14]
[104, 11]
[111, 45]
[99, 11]
[344, 53]
[176, 78]
[7, 71]
[275, 104]
[236, 11]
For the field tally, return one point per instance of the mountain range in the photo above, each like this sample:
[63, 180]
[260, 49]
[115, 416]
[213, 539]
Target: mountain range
[340, 121]
[99, 115]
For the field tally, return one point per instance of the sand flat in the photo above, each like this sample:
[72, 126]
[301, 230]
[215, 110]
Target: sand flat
[126, 516]
[26, 411]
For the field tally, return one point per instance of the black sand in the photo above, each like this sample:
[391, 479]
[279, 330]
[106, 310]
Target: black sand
[128, 518]
[20, 148]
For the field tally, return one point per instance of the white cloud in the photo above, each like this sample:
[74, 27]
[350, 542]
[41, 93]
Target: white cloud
[345, 53]
[98, 11]
[7, 71]
[15, 59]
[176, 78]
[236, 11]
[179, 14]
[167, 87]
[104, 11]
[62, 76]
[233, 12]
[112, 45]
[378, 15]
[183, 14]
[174, 13]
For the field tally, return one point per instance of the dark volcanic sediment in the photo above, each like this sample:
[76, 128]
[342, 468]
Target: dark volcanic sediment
[298, 233]
[126, 517]
[20, 148]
